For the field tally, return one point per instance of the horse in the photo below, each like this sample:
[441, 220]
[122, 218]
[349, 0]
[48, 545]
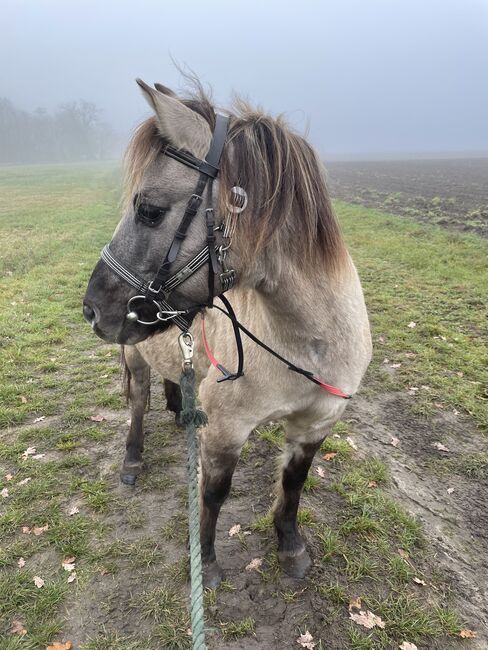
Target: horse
[286, 271]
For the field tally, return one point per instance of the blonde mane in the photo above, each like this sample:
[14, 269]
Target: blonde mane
[288, 200]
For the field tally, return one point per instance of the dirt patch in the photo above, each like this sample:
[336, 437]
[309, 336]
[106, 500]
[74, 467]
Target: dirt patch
[450, 193]
[454, 523]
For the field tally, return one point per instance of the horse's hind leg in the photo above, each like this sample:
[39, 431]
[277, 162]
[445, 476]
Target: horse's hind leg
[298, 457]
[173, 398]
[138, 383]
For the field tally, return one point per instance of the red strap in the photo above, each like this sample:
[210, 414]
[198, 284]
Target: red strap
[330, 389]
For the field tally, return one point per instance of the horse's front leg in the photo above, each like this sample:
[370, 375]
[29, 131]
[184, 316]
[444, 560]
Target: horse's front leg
[139, 383]
[298, 457]
[219, 453]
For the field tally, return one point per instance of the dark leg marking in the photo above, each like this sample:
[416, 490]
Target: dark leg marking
[140, 384]
[214, 489]
[294, 558]
[173, 398]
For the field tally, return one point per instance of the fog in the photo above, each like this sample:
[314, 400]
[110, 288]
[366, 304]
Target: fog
[385, 78]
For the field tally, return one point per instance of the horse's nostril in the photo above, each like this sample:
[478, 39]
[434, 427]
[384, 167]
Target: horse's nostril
[89, 314]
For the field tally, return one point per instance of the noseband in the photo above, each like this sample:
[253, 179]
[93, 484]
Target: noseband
[157, 291]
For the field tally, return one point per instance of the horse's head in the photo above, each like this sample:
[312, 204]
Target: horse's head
[167, 223]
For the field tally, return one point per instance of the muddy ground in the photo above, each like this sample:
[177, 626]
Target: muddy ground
[451, 193]
[452, 509]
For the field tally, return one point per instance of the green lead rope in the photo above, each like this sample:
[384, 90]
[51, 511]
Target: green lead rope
[192, 418]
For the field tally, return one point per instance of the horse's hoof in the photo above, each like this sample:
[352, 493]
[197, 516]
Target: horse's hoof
[296, 566]
[212, 575]
[128, 479]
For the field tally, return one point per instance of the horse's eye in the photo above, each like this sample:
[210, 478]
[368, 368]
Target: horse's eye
[150, 215]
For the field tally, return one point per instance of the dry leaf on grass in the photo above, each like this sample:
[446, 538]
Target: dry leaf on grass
[21, 562]
[372, 484]
[306, 641]
[24, 481]
[420, 582]
[235, 530]
[394, 442]
[450, 490]
[74, 511]
[367, 619]
[23, 399]
[320, 471]
[403, 554]
[30, 451]
[38, 530]
[406, 645]
[8, 477]
[68, 566]
[254, 564]
[38, 456]
[72, 576]
[439, 446]
[39, 419]
[60, 645]
[39, 582]
[412, 324]
[330, 455]
[17, 627]
[467, 634]
[4, 493]
[97, 418]
[354, 603]
[351, 443]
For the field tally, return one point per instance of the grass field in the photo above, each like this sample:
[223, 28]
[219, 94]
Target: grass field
[61, 498]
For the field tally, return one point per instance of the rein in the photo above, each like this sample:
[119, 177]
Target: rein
[157, 291]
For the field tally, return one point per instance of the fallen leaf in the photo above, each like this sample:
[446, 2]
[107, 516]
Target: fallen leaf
[351, 442]
[450, 490]
[38, 456]
[74, 511]
[20, 562]
[385, 360]
[406, 645]
[26, 530]
[330, 455]
[320, 471]
[467, 634]
[29, 452]
[412, 390]
[39, 582]
[403, 554]
[235, 530]
[367, 619]
[97, 418]
[68, 566]
[72, 576]
[306, 641]
[24, 481]
[60, 645]
[8, 477]
[17, 627]
[23, 399]
[4, 493]
[372, 484]
[395, 365]
[412, 324]
[440, 446]
[39, 419]
[355, 603]
[254, 564]
[420, 582]
[410, 355]
[38, 530]
[394, 441]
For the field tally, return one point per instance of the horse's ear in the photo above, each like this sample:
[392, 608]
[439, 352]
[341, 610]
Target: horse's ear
[165, 90]
[184, 128]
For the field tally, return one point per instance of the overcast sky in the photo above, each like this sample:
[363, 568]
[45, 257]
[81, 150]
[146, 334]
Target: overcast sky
[367, 76]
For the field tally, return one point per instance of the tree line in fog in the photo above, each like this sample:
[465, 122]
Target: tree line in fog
[72, 133]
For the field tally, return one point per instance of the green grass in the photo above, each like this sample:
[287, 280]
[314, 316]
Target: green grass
[53, 222]
[437, 279]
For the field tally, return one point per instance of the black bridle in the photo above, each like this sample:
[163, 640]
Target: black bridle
[158, 290]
